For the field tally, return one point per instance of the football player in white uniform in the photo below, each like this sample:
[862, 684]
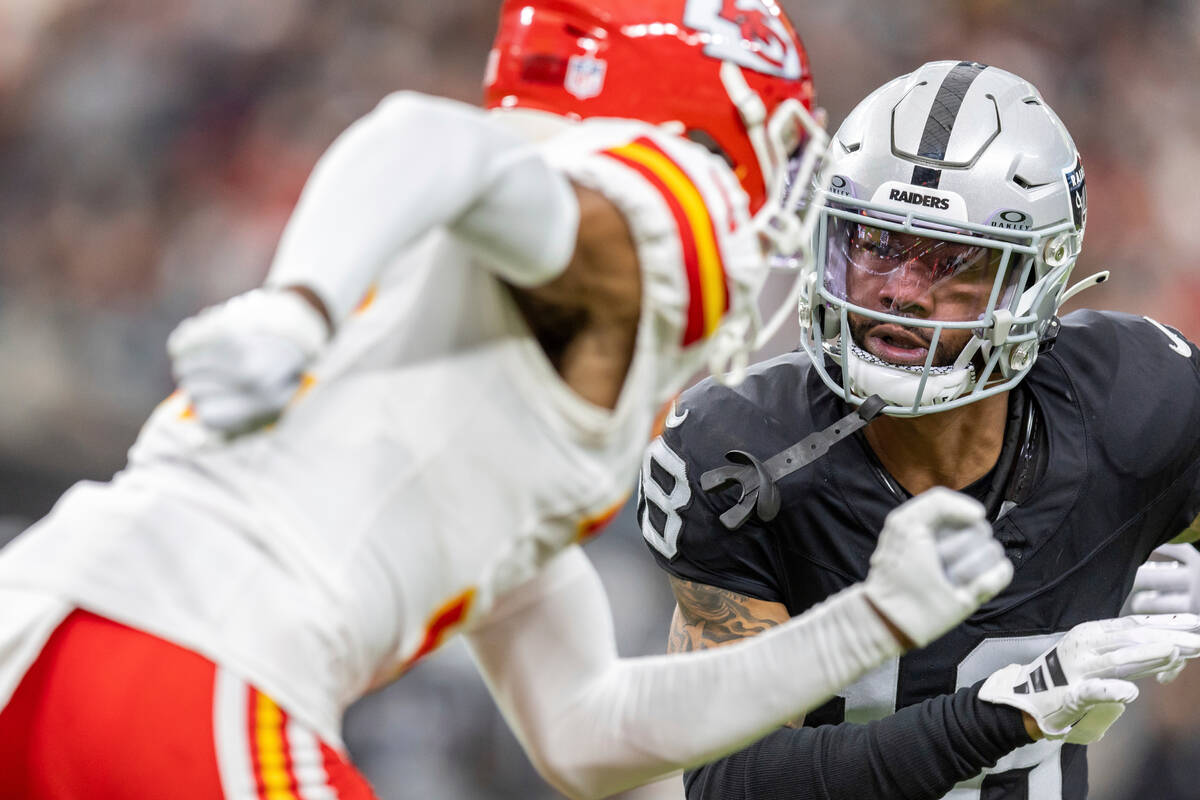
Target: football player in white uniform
[446, 384]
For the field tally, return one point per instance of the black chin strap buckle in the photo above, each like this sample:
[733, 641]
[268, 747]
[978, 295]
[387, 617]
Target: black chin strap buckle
[758, 491]
[1050, 336]
[757, 480]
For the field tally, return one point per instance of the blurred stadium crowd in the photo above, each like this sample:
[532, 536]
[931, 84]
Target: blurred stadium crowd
[150, 153]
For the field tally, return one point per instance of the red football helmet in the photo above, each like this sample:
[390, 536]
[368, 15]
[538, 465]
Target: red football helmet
[663, 61]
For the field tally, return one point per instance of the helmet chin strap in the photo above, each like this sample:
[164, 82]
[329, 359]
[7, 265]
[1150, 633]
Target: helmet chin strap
[757, 479]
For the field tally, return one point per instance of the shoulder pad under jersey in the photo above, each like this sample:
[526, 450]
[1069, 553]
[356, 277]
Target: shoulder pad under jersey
[701, 260]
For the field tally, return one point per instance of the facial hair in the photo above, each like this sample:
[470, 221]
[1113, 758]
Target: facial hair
[948, 345]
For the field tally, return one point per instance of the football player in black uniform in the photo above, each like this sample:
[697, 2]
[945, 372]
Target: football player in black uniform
[955, 215]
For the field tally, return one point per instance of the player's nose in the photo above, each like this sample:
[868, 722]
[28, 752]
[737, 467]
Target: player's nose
[908, 289]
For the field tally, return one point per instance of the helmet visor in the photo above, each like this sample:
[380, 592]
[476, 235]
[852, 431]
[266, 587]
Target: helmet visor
[922, 278]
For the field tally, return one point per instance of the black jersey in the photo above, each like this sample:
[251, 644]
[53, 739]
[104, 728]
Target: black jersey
[1119, 398]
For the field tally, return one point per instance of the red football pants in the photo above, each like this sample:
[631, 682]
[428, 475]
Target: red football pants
[108, 712]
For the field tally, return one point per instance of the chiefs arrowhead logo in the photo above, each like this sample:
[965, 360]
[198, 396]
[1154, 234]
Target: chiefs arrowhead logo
[748, 33]
[752, 25]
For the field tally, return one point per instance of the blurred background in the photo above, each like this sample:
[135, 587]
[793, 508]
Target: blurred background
[151, 150]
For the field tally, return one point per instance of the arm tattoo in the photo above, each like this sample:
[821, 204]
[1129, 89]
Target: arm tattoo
[706, 616]
[709, 617]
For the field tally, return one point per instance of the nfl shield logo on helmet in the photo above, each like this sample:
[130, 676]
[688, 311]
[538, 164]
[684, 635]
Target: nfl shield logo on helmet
[585, 76]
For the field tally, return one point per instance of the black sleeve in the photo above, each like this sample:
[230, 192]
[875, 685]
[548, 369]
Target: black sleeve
[918, 753]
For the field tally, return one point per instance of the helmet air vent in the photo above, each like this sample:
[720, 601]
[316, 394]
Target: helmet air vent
[1026, 185]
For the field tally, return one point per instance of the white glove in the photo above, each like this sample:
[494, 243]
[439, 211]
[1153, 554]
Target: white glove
[936, 562]
[240, 362]
[1079, 687]
[1168, 586]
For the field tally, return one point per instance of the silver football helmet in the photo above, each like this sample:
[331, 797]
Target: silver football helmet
[954, 215]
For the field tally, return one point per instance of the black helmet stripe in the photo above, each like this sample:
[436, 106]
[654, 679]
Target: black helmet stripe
[936, 137]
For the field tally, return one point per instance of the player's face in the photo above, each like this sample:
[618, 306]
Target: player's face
[911, 276]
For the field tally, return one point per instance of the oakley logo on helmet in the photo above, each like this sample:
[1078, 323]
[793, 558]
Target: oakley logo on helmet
[839, 185]
[749, 33]
[1012, 220]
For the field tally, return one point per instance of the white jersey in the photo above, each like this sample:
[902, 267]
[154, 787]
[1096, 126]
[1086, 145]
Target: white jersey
[433, 461]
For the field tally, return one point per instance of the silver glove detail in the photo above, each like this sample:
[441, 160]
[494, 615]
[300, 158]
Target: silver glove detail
[1079, 687]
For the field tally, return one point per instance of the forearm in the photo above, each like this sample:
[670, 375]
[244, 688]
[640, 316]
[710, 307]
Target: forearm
[918, 753]
[596, 724]
[666, 713]
[413, 164]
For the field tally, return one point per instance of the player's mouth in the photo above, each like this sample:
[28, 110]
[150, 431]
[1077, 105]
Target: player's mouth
[897, 345]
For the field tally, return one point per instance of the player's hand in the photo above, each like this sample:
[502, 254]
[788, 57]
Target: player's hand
[1170, 585]
[1079, 687]
[240, 362]
[936, 562]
